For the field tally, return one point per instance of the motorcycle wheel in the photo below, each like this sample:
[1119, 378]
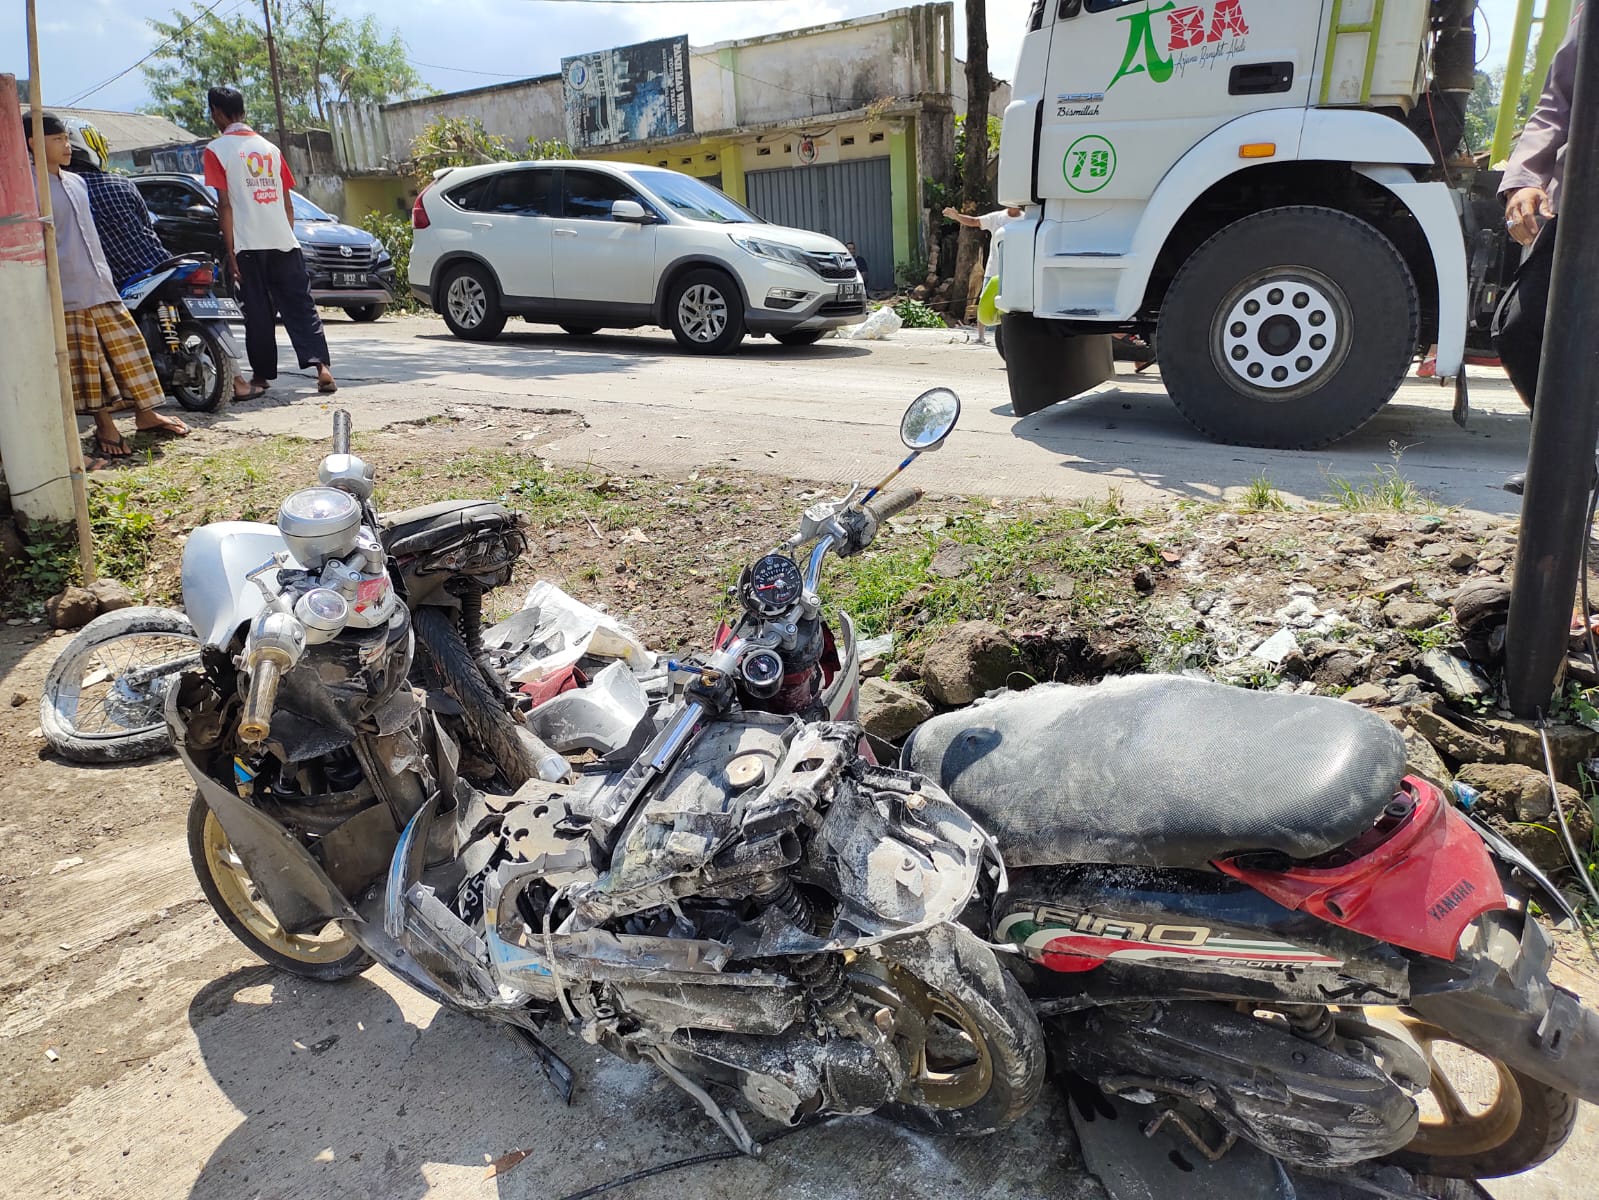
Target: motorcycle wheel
[104, 697]
[328, 956]
[482, 710]
[973, 1048]
[216, 369]
[1524, 1124]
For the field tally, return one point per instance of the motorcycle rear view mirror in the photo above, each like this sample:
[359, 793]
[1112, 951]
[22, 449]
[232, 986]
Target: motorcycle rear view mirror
[929, 420]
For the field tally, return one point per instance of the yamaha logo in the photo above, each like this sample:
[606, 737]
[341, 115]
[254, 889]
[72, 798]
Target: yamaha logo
[345, 252]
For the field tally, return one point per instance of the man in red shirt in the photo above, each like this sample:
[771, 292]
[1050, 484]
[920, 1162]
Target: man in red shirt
[253, 181]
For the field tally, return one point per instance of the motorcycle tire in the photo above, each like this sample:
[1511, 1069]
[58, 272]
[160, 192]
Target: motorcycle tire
[1527, 1123]
[229, 892]
[87, 714]
[483, 711]
[986, 1068]
[219, 383]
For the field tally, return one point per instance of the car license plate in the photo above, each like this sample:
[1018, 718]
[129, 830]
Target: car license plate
[850, 291]
[346, 279]
[217, 307]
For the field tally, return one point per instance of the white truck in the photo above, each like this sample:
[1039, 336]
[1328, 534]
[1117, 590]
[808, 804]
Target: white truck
[1263, 188]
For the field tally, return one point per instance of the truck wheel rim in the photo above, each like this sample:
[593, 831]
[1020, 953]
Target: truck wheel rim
[1450, 1127]
[702, 313]
[238, 892]
[1283, 334]
[468, 302]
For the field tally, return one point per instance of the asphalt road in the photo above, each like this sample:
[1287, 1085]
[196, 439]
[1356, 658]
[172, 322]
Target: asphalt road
[831, 412]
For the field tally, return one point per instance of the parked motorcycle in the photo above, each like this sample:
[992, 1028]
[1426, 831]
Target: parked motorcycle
[186, 327]
[739, 895]
[1236, 909]
[104, 697]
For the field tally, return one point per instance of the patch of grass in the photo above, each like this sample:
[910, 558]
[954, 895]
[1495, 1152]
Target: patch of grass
[1434, 637]
[1093, 544]
[1262, 496]
[1386, 491]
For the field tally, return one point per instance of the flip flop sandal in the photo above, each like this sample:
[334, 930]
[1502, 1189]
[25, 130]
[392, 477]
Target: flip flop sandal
[109, 449]
[257, 390]
[328, 388]
[171, 427]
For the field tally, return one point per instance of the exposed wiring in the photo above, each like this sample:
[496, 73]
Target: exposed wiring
[1565, 833]
[695, 1160]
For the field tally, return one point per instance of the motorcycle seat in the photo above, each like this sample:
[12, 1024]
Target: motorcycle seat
[1162, 771]
[435, 526]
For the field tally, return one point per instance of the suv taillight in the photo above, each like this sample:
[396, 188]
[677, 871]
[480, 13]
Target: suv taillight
[419, 215]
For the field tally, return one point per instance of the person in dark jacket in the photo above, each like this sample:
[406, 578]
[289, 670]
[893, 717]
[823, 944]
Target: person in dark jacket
[1531, 192]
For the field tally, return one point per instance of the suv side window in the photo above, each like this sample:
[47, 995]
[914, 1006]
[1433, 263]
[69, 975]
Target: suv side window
[168, 199]
[523, 193]
[471, 196]
[588, 195]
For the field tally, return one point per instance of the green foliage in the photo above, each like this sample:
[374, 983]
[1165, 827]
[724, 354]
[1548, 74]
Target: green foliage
[909, 274]
[1482, 112]
[958, 166]
[1434, 637]
[125, 536]
[395, 232]
[1262, 496]
[917, 315]
[323, 58]
[463, 142]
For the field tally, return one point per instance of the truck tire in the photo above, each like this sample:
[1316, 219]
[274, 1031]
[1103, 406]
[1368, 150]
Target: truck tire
[1044, 364]
[1289, 329]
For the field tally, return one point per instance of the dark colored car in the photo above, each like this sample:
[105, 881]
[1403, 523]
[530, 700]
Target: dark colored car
[350, 269]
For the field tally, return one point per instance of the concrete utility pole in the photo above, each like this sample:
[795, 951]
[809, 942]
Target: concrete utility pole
[1565, 419]
[272, 63]
[33, 434]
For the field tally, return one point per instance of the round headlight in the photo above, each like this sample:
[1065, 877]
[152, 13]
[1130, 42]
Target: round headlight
[318, 524]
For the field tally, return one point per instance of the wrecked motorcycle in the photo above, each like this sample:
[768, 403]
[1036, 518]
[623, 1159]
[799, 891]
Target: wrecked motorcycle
[739, 895]
[1236, 908]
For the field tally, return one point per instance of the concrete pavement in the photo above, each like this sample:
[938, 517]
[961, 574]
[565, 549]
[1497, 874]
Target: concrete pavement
[831, 412]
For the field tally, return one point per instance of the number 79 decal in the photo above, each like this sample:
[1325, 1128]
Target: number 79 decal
[1090, 164]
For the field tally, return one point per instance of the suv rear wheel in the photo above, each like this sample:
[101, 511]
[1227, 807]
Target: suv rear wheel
[472, 303]
[705, 313]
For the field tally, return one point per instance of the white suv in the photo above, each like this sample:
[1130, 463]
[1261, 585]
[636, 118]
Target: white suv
[589, 246]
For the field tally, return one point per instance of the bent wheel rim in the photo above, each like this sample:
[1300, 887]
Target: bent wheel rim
[120, 689]
[702, 313]
[1456, 1129]
[468, 302]
[948, 1061]
[211, 370]
[1282, 334]
[238, 892]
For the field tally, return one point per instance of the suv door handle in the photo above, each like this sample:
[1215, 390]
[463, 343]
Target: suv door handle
[566, 233]
[482, 224]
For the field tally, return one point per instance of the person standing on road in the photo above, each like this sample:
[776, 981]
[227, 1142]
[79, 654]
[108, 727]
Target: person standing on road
[252, 181]
[123, 221]
[860, 264]
[990, 223]
[1531, 192]
[110, 364]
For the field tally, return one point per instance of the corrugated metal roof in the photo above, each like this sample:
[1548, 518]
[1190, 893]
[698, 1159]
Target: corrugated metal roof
[127, 132]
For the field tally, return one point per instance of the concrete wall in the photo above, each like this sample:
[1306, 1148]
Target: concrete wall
[514, 111]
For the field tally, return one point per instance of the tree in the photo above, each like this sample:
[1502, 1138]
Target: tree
[447, 141]
[1482, 113]
[323, 58]
[974, 172]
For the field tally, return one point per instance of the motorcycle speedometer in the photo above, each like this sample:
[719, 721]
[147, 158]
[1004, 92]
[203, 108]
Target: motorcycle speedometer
[775, 585]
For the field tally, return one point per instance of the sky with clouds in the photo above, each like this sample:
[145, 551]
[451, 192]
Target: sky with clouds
[456, 44]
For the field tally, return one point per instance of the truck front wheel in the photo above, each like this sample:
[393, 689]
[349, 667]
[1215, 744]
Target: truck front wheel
[1289, 329]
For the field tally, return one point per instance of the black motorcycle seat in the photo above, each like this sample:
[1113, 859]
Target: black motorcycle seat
[432, 526]
[1163, 771]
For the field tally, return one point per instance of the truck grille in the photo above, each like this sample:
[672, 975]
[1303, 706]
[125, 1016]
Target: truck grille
[328, 258]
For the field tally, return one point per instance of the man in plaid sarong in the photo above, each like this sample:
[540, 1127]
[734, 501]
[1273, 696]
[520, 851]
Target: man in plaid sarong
[111, 366]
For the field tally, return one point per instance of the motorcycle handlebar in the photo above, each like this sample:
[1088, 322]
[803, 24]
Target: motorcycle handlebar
[885, 507]
[255, 723]
[341, 432]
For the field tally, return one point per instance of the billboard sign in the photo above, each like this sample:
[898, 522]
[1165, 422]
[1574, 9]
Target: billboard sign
[627, 94]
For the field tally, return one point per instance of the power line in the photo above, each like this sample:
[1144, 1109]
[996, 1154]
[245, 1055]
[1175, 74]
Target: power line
[464, 70]
[82, 96]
